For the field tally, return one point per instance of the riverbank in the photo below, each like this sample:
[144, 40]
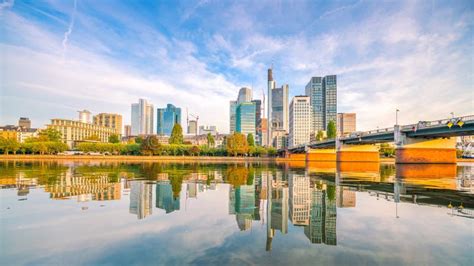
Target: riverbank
[129, 158]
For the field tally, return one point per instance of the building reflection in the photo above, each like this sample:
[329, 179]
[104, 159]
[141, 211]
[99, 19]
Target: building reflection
[164, 197]
[141, 197]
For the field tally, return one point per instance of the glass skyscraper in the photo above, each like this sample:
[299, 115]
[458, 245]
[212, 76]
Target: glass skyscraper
[232, 113]
[166, 118]
[323, 94]
[245, 118]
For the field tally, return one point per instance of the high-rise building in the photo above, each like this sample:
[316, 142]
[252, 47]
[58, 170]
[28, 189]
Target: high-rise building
[278, 117]
[24, 122]
[245, 122]
[300, 121]
[142, 118]
[232, 116]
[245, 95]
[127, 130]
[85, 116]
[300, 198]
[346, 123]
[109, 120]
[323, 214]
[166, 118]
[323, 94]
[192, 127]
[258, 121]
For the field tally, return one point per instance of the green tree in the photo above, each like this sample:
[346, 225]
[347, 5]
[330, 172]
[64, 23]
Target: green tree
[250, 140]
[150, 145]
[331, 130]
[176, 134]
[114, 138]
[49, 134]
[210, 140]
[320, 135]
[9, 145]
[237, 144]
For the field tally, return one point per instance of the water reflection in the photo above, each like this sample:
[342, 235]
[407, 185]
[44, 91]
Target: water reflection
[286, 198]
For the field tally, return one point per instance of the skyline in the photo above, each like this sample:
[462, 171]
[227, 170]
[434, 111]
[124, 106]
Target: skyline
[102, 59]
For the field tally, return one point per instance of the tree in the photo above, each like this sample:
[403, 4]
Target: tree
[114, 138]
[50, 134]
[210, 140]
[250, 140]
[237, 144]
[331, 130]
[176, 134]
[320, 135]
[9, 145]
[150, 145]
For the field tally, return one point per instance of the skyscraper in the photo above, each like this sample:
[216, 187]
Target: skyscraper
[245, 114]
[278, 117]
[300, 121]
[245, 95]
[166, 118]
[232, 113]
[192, 127]
[24, 122]
[323, 94]
[258, 121]
[142, 118]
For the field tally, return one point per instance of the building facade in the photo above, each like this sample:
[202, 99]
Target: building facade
[323, 94]
[232, 116]
[245, 115]
[204, 130]
[127, 130]
[300, 121]
[258, 121]
[300, 198]
[346, 123]
[109, 120]
[72, 131]
[142, 118]
[192, 127]
[245, 95]
[85, 116]
[24, 122]
[166, 118]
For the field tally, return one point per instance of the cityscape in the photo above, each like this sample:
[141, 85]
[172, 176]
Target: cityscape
[204, 132]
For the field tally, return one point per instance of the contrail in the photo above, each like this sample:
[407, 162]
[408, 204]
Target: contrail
[69, 30]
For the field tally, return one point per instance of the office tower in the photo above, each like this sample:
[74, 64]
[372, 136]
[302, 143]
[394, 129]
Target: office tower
[109, 120]
[323, 94]
[142, 118]
[245, 118]
[232, 116]
[84, 116]
[300, 121]
[24, 122]
[245, 95]
[322, 222]
[205, 129]
[192, 127]
[258, 121]
[166, 118]
[164, 197]
[346, 123]
[127, 130]
[300, 198]
[141, 197]
[278, 117]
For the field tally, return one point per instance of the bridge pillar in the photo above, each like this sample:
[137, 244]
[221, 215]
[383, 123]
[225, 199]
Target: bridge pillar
[421, 150]
[321, 155]
[357, 153]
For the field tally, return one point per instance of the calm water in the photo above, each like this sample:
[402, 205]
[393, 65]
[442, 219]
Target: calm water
[348, 214]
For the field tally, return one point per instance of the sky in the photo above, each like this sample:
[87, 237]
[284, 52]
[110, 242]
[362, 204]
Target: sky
[58, 57]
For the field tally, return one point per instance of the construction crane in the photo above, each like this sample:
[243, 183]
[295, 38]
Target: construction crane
[187, 121]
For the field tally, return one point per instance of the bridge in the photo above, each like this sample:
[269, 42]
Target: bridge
[424, 142]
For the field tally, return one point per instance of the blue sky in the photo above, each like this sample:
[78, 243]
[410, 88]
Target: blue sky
[62, 56]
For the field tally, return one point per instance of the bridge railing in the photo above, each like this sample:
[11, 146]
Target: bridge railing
[436, 123]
